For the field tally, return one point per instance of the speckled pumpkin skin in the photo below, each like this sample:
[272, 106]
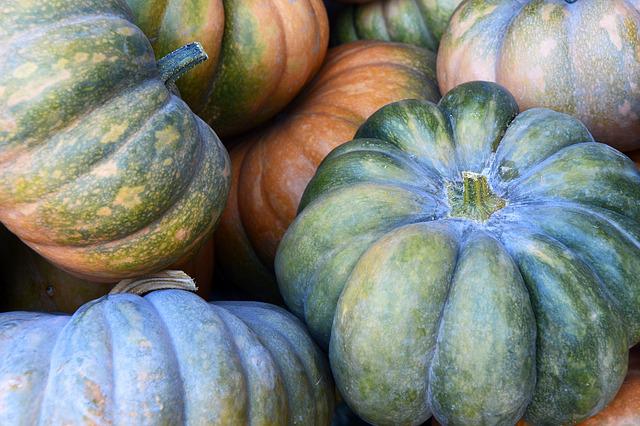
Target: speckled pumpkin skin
[430, 308]
[418, 22]
[167, 358]
[261, 53]
[580, 58]
[102, 170]
[624, 410]
[28, 282]
[271, 167]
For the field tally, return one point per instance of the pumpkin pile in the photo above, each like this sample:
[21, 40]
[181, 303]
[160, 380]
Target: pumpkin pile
[435, 221]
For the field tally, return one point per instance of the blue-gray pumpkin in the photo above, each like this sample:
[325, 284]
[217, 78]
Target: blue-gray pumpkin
[465, 260]
[167, 358]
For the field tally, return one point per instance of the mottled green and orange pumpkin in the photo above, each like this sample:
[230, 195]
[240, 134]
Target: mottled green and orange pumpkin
[28, 282]
[272, 166]
[103, 171]
[168, 358]
[418, 22]
[580, 57]
[470, 262]
[262, 52]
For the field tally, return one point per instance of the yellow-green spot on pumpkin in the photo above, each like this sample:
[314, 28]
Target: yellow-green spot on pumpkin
[61, 64]
[129, 197]
[166, 138]
[126, 31]
[114, 133]
[98, 57]
[110, 168]
[36, 88]
[80, 57]
[104, 211]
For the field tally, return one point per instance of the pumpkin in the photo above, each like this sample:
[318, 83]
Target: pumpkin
[419, 22]
[166, 358]
[465, 260]
[271, 167]
[261, 53]
[625, 408]
[103, 171]
[29, 282]
[343, 416]
[635, 156]
[578, 57]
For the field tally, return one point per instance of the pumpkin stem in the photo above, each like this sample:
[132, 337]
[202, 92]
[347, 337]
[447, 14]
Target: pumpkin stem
[474, 198]
[162, 280]
[181, 60]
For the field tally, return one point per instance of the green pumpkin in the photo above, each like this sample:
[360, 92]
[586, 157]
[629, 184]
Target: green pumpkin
[418, 22]
[103, 171]
[463, 260]
[168, 358]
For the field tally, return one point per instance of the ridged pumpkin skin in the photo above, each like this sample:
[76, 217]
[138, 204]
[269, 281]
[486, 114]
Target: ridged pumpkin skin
[575, 57]
[625, 408]
[418, 22]
[166, 358]
[28, 282]
[474, 263]
[261, 53]
[102, 170]
[271, 167]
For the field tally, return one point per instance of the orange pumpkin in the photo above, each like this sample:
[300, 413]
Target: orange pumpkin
[272, 167]
[30, 282]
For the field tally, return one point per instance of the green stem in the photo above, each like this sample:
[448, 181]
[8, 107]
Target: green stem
[181, 60]
[177, 280]
[474, 198]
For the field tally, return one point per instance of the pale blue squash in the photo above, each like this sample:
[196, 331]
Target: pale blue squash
[168, 358]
